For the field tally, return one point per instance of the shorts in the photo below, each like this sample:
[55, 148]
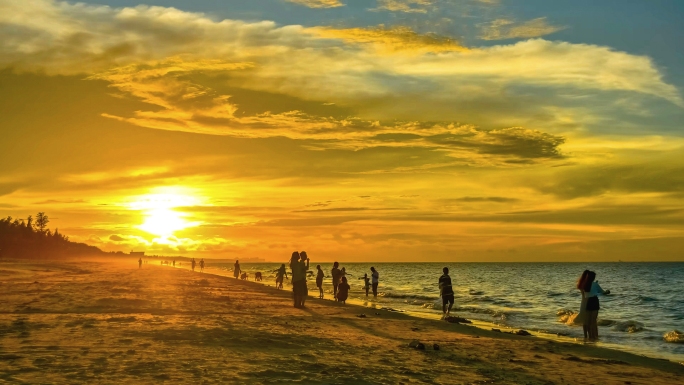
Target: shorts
[319, 282]
[593, 304]
[448, 299]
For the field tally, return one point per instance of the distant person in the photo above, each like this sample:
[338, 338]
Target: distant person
[174, 263]
[592, 290]
[581, 317]
[375, 280]
[257, 276]
[319, 280]
[304, 266]
[343, 290]
[298, 279]
[446, 292]
[244, 276]
[236, 269]
[192, 263]
[140, 263]
[366, 283]
[202, 265]
[343, 272]
[280, 273]
[336, 275]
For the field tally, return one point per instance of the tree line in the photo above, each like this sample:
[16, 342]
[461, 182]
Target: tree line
[31, 238]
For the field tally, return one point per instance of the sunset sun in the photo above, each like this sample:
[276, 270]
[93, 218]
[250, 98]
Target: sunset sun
[160, 215]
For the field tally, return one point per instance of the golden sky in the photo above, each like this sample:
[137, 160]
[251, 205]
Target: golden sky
[396, 130]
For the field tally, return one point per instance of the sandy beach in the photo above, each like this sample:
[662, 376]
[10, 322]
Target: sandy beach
[104, 321]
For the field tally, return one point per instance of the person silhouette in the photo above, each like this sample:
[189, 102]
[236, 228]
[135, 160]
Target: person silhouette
[366, 283]
[298, 277]
[192, 263]
[446, 292]
[375, 281]
[343, 290]
[336, 275]
[174, 263]
[319, 281]
[202, 265]
[280, 274]
[140, 263]
[304, 266]
[236, 269]
[592, 290]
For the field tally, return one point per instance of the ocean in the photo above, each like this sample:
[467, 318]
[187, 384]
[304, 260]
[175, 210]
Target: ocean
[644, 313]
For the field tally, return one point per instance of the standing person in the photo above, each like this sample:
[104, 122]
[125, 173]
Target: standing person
[366, 283]
[174, 263]
[375, 279]
[298, 277]
[343, 290]
[201, 265]
[140, 263]
[592, 289]
[336, 275]
[581, 317]
[319, 281]
[280, 273]
[446, 292]
[304, 265]
[236, 269]
[193, 264]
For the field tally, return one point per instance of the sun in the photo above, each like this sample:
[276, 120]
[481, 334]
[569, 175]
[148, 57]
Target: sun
[160, 216]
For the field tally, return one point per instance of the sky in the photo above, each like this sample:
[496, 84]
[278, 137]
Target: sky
[357, 130]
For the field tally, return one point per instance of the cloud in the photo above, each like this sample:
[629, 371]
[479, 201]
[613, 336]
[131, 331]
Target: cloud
[116, 238]
[391, 39]
[319, 3]
[408, 6]
[503, 29]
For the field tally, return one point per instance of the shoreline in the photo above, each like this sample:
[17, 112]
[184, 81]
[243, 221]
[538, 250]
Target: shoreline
[108, 321]
[483, 325]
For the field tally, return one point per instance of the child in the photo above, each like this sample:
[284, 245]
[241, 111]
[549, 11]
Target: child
[366, 283]
[319, 281]
[280, 273]
[343, 290]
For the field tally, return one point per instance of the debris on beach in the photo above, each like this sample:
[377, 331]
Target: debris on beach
[362, 315]
[435, 346]
[417, 345]
[523, 332]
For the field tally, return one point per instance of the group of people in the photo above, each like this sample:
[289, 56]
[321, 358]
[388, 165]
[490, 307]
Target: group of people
[589, 307]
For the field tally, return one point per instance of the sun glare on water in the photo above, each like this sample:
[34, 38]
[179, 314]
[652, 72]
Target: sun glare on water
[160, 216]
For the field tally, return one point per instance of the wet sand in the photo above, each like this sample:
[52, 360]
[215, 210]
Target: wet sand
[110, 322]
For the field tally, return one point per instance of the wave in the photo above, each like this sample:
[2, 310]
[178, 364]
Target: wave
[675, 337]
[475, 292]
[389, 294]
[628, 326]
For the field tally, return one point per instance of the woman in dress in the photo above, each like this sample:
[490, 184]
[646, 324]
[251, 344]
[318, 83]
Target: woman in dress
[581, 317]
[297, 277]
[592, 290]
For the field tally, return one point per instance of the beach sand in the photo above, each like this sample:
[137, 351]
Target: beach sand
[110, 322]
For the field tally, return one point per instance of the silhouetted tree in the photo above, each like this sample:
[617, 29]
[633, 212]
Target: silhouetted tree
[41, 221]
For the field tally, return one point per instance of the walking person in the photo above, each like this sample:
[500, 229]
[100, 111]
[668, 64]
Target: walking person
[193, 264]
[446, 292]
[375, 280]
[592, 290]
[366, 283]
[201, 265]
[336, 275]
[139, 263]
[280, 274]
[236, 269]
[319, 280]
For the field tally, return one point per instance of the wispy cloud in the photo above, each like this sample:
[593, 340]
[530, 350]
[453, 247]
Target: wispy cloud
[318, 3]
[408, 6]
[503, 29]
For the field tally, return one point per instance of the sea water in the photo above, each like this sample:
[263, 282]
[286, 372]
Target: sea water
[643, 314]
